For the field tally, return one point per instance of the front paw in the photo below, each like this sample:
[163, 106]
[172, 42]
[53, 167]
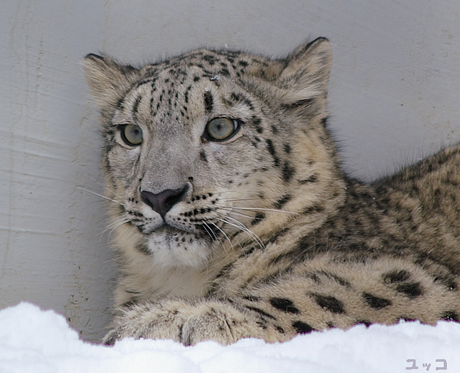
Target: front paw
[147, 320]
[183, 322]
[219, 322]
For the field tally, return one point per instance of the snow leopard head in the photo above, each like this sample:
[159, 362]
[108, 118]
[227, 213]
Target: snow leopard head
[214, 149]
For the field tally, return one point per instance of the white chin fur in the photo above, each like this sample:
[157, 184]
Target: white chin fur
[169, 254]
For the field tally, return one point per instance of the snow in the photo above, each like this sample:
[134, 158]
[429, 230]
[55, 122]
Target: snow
[33, 340]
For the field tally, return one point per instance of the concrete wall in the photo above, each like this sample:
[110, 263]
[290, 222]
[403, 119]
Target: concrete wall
[394, 96]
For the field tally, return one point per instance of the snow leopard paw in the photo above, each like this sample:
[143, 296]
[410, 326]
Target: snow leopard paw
[183, 322]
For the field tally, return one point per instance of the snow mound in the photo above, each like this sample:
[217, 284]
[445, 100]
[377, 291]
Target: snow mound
[32, 340]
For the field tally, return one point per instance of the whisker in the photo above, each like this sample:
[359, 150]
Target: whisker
[114, 225]
[236, 199]
[243, 228]
[129, 231]
[212, 234]
[105, 187]
[225, 235]
[111, 227]
[229, 209]
[217, 238]
[264, 209]
[248, 231]
[100, 195]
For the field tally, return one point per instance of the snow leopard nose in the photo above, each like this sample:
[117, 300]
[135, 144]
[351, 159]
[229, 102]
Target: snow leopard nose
[164, 201]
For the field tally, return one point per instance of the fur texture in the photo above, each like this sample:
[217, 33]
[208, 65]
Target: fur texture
[233, 218]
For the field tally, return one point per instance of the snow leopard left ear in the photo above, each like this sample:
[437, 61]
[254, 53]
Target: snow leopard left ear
[306, 73]
[108, 79]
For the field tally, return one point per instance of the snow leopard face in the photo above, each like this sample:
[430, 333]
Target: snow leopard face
[211, 149]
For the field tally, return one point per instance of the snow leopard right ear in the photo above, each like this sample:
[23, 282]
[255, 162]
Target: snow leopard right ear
[306, 73]
[108, 79]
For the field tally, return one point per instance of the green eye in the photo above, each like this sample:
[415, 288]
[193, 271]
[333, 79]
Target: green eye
[131, 134]
[221, 129]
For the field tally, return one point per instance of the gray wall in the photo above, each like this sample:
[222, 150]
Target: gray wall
[394, 96]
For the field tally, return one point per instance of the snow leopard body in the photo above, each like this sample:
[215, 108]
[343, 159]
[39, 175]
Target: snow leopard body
[232, 217]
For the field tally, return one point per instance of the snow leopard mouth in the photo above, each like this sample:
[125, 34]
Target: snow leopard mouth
[174, 239]
[171, 232]
[162, 228]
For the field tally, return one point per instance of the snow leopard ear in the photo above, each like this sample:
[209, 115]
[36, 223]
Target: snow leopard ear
[306, 73]
[108, 79]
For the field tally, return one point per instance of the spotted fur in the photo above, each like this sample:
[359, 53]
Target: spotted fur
[258, 233]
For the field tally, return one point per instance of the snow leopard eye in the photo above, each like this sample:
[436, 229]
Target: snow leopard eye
[131, 134]
[220, 129]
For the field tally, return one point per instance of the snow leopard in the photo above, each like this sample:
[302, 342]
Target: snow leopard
[233, 218]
